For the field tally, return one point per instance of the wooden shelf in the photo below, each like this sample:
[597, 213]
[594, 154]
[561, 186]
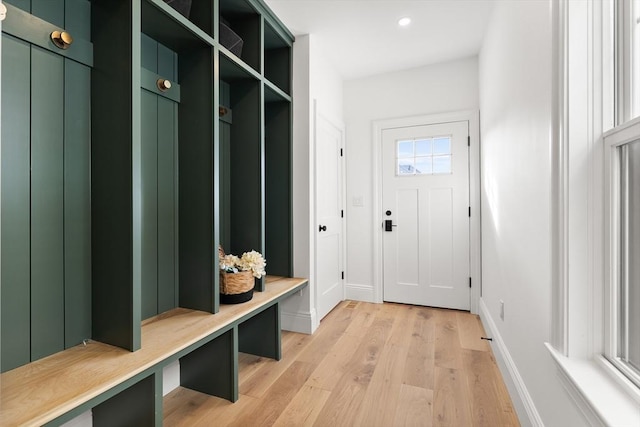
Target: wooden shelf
[44, 390]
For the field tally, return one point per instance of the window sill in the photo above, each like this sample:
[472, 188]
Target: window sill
[603, 395]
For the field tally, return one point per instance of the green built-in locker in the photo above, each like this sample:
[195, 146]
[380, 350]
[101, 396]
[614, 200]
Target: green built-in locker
[46, 202]
[159, 130]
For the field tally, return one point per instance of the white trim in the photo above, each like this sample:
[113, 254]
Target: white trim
[301, 322]
[470, 116]
[559, 186]
[522, 401]
[595, 387]
[360, 293]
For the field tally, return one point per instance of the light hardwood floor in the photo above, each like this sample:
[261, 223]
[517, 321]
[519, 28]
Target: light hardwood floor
[367, 365]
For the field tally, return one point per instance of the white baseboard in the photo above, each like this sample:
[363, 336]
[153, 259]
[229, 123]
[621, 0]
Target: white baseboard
[522, 401]
[359, 292]
[304, 323]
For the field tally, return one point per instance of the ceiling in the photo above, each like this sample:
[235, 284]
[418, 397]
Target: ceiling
[362, 37]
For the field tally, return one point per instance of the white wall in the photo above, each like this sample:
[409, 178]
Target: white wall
[314, 79]
[446, 87]
[515, 71]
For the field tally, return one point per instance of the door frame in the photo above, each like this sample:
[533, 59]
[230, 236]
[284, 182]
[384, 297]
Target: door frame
[317, 113]
[473, 118]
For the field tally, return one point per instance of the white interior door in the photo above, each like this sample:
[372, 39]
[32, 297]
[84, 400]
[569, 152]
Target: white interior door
[329, 233]
[425, 195]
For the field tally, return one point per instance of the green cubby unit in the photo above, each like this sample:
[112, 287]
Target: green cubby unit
[277, 59]
[117, 190]
[242, 162]
[242, 18]
[278, 185]
[188, 208]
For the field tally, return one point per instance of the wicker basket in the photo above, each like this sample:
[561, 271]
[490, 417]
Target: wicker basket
[236, 287]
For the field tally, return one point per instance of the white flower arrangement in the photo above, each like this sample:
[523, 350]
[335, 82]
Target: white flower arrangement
[249, 261]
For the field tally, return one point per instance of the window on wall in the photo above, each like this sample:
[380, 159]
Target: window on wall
[424, 156]
[635, 56]
[622, 162]
[622, 145]
[627, 47]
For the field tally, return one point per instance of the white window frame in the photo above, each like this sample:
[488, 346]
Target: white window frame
[627, 62]
[613, 139]
[586, 104]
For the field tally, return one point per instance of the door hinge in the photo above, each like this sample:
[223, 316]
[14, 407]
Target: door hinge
[342, 214]
[343, 275]
[341, 154]
[469, 211]
[468, 141]
[469, 281]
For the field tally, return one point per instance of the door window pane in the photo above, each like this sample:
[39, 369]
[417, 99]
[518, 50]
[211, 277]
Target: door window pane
[423, 165]
[424, 156]
[441, 164]
[423, 147]
[442, 145]
[405, 149]
[405, 167]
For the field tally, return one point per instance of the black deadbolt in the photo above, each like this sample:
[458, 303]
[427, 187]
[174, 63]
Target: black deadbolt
[388, 213]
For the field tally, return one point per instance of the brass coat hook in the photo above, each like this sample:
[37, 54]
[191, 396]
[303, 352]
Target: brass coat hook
[62, 39]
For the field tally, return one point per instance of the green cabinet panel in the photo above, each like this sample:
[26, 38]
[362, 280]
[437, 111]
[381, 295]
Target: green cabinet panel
[213, 368]
[77, 20]
[225, 186]
[148, 53]
[134, 406]
[77, 202]
[167, 63]
[115, 134]
[246, 169]
[21, 4]
[47, 207]
[50, 10]
[16, 248]
[46, 156]
[260, 334]
[278, 208]
[159, 176]
[196, 166]
[149, 159]
[167, 204]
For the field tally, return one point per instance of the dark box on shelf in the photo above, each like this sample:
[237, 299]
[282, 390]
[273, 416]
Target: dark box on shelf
[230, 40]
[182, 6]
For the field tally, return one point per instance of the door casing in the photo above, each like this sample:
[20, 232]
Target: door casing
[379, 126]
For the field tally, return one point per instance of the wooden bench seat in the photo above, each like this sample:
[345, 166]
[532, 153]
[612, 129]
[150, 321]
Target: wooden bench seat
[65, 384]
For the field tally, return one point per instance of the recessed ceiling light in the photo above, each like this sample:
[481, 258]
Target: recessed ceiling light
[403, 22]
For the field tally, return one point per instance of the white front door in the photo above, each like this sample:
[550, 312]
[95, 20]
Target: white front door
[329, 214]
[425, 199]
